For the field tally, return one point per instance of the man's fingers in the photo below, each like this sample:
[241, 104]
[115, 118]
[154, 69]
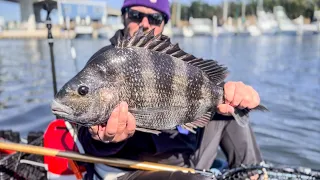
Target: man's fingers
[98, 133]
[238, 94]
[112, 124]
[101, 134]
[129, 131]
[229, 89]
[120, 137]
[131, 125]
[93, 131]
[247, 97]
[225, 109]
[255, 99]
[123, 117]
[120, 125]
[254, 177]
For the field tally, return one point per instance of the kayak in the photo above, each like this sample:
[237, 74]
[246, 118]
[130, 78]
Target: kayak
[20, 165]
[60, 135]
[31, 166]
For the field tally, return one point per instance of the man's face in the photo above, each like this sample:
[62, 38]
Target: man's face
[132, 20]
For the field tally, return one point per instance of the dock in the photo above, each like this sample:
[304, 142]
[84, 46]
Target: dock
[36, 34]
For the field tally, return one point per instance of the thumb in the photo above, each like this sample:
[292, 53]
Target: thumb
[225, 109]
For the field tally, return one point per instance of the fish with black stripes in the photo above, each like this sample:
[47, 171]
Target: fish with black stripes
[163, 86]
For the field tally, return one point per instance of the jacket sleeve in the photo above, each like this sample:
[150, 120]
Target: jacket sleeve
[95, 147]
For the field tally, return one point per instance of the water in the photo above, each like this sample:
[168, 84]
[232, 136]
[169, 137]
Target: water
[285, 70]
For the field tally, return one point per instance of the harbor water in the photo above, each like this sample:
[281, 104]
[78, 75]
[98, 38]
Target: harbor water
[284, 69]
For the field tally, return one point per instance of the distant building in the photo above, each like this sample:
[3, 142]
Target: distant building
[80, 11]
[2, 23]
[83, 9]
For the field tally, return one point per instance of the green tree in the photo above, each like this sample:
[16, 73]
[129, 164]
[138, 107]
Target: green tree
[218, 11]
[251, 8]
[234, 9]
[185, 12]
[196, 9]
[293, 8]
[207, 11]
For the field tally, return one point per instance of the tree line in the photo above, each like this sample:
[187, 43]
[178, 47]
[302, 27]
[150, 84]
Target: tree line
[293, 8]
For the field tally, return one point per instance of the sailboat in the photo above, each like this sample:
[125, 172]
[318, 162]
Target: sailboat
[266, 21]
[285, 25]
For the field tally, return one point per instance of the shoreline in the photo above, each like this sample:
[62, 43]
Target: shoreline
[36, 34]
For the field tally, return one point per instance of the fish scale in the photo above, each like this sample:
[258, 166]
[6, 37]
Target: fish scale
[134, 81]
[159, 91]
[163, 85]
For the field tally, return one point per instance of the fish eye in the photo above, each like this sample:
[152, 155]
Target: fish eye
[83, 90]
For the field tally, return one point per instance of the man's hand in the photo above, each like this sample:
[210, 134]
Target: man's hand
[237, 94]
[120, 126]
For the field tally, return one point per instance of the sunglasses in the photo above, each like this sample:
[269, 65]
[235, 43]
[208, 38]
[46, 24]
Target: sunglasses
[136, 16]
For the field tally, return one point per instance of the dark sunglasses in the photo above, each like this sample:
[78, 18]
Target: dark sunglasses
[136, 16]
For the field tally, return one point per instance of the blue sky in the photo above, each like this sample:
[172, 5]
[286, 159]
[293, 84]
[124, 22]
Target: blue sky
[11, 11]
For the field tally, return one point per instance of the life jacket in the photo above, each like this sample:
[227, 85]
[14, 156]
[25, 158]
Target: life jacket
[62, 135]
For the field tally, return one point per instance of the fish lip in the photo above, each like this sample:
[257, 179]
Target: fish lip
[60, 109]
[83, 124]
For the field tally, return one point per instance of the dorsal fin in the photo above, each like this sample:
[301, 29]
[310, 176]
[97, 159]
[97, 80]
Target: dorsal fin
[161, 43]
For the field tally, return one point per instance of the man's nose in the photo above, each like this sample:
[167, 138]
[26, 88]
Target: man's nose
[145, 23]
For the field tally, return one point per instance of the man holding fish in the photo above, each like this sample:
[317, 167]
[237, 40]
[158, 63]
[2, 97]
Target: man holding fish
[156, 99]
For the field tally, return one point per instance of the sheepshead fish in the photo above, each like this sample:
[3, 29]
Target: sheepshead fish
[163, 86]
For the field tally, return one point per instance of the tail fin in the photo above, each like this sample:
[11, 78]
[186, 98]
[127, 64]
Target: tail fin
[242, 115]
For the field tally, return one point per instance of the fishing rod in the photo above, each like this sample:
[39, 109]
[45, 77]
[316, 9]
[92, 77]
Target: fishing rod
[262, 171]
[115, 162]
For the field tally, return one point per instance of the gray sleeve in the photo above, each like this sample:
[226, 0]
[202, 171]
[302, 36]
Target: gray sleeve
[238, 144]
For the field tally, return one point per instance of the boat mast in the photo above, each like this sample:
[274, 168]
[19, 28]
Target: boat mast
[259, 6]
[243, 10]
[225, 11]
[178, 15]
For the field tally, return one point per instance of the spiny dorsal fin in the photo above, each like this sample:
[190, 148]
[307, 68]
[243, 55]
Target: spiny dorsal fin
[161, 43]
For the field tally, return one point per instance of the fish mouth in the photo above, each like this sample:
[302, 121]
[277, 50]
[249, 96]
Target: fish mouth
[86, 124]
[60, 109]
[65, 112]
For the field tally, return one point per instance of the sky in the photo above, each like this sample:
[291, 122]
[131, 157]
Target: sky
[11, 11]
